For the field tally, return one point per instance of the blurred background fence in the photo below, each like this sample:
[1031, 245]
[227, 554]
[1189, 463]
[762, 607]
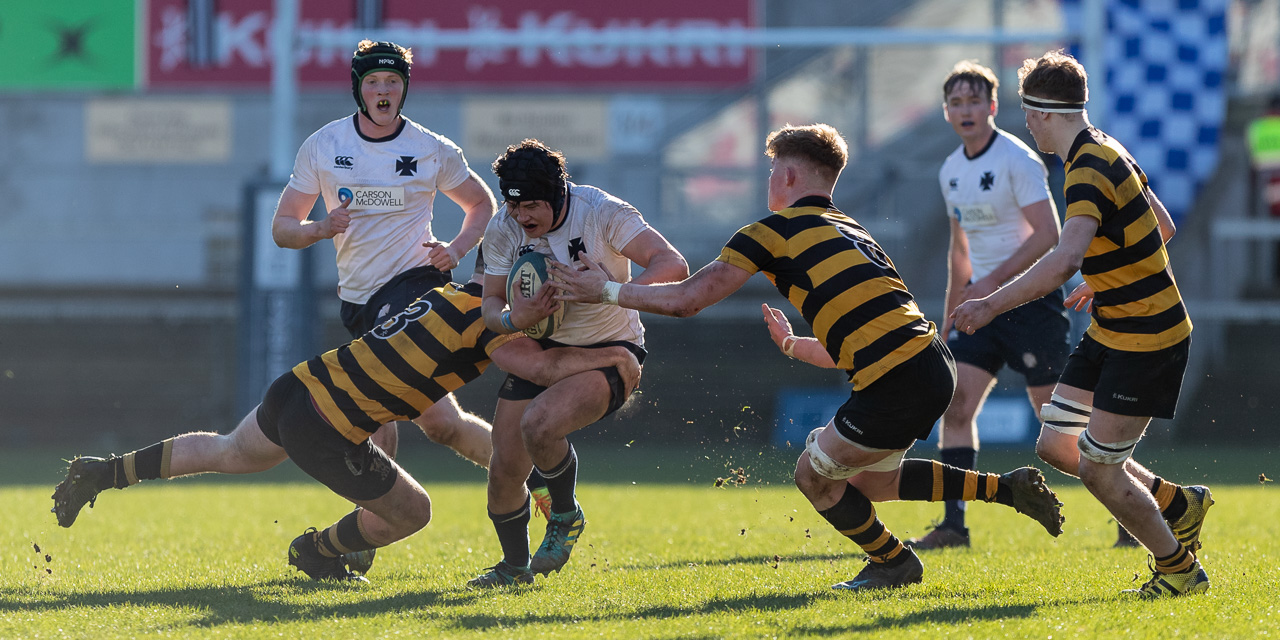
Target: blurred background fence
[140, 136]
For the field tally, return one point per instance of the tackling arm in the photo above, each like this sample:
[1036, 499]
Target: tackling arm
[526, 359]
[1047, 275]
[803, 349]
[709, 285]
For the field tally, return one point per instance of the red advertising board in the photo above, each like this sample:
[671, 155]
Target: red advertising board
[242, 44]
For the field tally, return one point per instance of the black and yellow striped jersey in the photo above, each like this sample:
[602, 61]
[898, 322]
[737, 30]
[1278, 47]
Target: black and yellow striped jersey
[404, 365]
[841, 281]
[1136, 304]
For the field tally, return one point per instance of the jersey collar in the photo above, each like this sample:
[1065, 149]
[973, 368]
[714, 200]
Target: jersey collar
[822, 202]
[994, 134]
[355, 123]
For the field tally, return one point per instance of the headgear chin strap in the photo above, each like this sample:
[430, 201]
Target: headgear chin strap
[1047, 105]
[523, 191]
[383, 56]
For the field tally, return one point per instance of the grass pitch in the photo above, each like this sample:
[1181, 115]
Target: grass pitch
[206, 558]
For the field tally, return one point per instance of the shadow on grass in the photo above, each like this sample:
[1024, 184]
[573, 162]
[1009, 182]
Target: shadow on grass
[242, 604]
[943, 615]
[741, 560]
[771, 602]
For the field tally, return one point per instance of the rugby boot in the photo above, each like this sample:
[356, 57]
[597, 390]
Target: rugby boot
[1187, 528]
[878, 576]
[563, 530]
[542, 501]
[360, 561]
[502, 575]
[86, 478]
[1034, 499]
[1167, 585]
[1124, 539]
[943, 536]
[306, 556]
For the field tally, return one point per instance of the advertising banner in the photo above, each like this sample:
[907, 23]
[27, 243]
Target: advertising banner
[74, 44]
[242, 51]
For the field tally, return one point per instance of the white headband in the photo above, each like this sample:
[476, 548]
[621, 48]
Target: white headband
[1051, 106]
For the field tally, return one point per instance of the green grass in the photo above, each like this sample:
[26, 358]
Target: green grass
[205, 558]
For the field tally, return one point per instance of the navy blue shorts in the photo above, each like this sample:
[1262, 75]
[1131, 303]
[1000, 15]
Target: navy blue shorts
[1129, 383]
[1032, 340]
[902, 405]
[391, 298]
[288, 418]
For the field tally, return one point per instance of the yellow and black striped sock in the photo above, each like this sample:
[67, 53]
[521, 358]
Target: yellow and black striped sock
[855, 517]
[149, 463]
[344, 536]
[1176, 562]
[1169, 498]
[930, 480]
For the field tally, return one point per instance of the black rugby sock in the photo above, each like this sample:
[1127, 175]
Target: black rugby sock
[854, 517]
[561, 481]
[344, 536]
[149, 463]
[961, 458]
[513, 535]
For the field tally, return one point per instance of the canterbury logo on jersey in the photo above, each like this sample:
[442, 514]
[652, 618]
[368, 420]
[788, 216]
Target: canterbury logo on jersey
[343, 162]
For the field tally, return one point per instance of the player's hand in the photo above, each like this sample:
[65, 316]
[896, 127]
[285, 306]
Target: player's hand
[442, 255]
[971, 315]
[584, 284]
[628, 367]
[526, 312]
[1081, 298]
[337, 221]
[779, 326]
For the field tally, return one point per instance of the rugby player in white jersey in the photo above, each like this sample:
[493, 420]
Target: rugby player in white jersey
[1002, 221]
[544, 212]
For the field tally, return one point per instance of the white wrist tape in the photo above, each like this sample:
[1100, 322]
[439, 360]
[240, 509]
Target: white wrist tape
[789, 346]
[610, 293]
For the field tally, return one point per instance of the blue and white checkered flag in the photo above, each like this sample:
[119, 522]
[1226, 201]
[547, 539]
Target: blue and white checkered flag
[1165, 65]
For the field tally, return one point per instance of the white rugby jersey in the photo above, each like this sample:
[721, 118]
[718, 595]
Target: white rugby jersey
[987, 193]
[393, 182]
[599, 225]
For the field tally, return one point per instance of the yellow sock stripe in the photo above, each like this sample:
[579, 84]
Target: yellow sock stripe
[166, 455]
[1177, 564]
[937, 481]
[970, 486]
[891, 554]
[862, 527]
[993, 485]
[331, 536]
[872, 547]
[360, 526]
[1164, 495]
[130, 469]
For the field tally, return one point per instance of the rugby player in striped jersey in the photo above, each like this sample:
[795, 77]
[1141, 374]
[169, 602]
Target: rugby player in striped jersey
[322, 413]
[1129, 365]
[865, 322]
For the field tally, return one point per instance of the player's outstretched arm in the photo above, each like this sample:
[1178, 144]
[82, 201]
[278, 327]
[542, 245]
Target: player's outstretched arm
[525, 358]
[709, 285]
[1047, 275]
[804, 349]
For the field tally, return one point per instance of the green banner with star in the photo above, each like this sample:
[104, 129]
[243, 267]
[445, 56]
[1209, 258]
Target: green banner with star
[67, 44]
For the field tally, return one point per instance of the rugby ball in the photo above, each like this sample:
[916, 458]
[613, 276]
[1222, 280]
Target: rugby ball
[525, 279]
